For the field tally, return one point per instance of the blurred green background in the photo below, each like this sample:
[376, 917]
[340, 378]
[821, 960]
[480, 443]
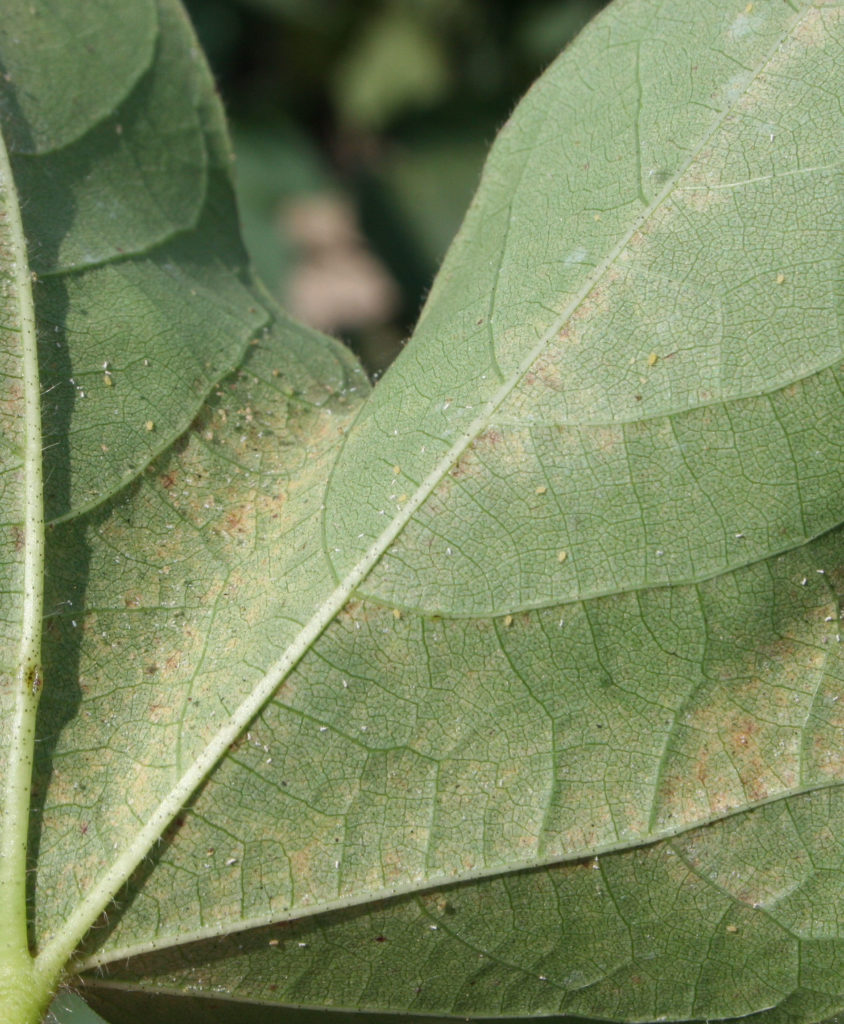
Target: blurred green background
[361, 127]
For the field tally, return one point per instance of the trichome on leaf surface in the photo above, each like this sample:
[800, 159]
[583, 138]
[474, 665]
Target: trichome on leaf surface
[509, 690]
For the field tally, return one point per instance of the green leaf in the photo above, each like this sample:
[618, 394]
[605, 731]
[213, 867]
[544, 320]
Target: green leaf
[721, 922]
[132, 236]
[43, 49]
[514, 689]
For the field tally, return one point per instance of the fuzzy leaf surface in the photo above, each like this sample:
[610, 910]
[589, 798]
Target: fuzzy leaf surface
[542, 638]
[609, 624]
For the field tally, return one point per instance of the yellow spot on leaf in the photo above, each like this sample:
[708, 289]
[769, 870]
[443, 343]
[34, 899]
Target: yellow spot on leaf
[149, 425]
[541, 490]
[652, 359]
[562, 556]
[508, 621]
[780, 278]
[396, 613]
[397, 470]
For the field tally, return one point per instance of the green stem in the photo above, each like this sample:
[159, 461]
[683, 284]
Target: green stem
[23, 990]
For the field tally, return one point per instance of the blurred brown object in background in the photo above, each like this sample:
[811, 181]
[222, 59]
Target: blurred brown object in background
[338, 284]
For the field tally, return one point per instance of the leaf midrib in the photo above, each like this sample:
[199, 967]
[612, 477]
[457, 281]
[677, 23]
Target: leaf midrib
[27, 682]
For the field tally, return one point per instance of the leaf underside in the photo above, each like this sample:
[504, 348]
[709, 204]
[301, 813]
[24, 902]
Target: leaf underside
[570, 743]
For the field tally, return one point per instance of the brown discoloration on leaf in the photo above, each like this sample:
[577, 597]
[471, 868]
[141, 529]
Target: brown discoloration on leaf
[606, 439]
[695, 192]
[353, 611]
[158, 713]
[464, 467]
[176, 826]
[733, 759]
[597, 300]
[313, 868]
[743, 739]
[394, 866]
[230, 528]
[11, 404]
[827, 724]
[239, 520]
[546, 371]
[489, 439]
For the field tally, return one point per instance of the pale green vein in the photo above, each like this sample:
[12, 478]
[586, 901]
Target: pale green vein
[776, 176]
[431, 883]
[14, 828]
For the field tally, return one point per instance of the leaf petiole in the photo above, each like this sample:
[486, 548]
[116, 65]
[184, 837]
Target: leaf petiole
[24, 990]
